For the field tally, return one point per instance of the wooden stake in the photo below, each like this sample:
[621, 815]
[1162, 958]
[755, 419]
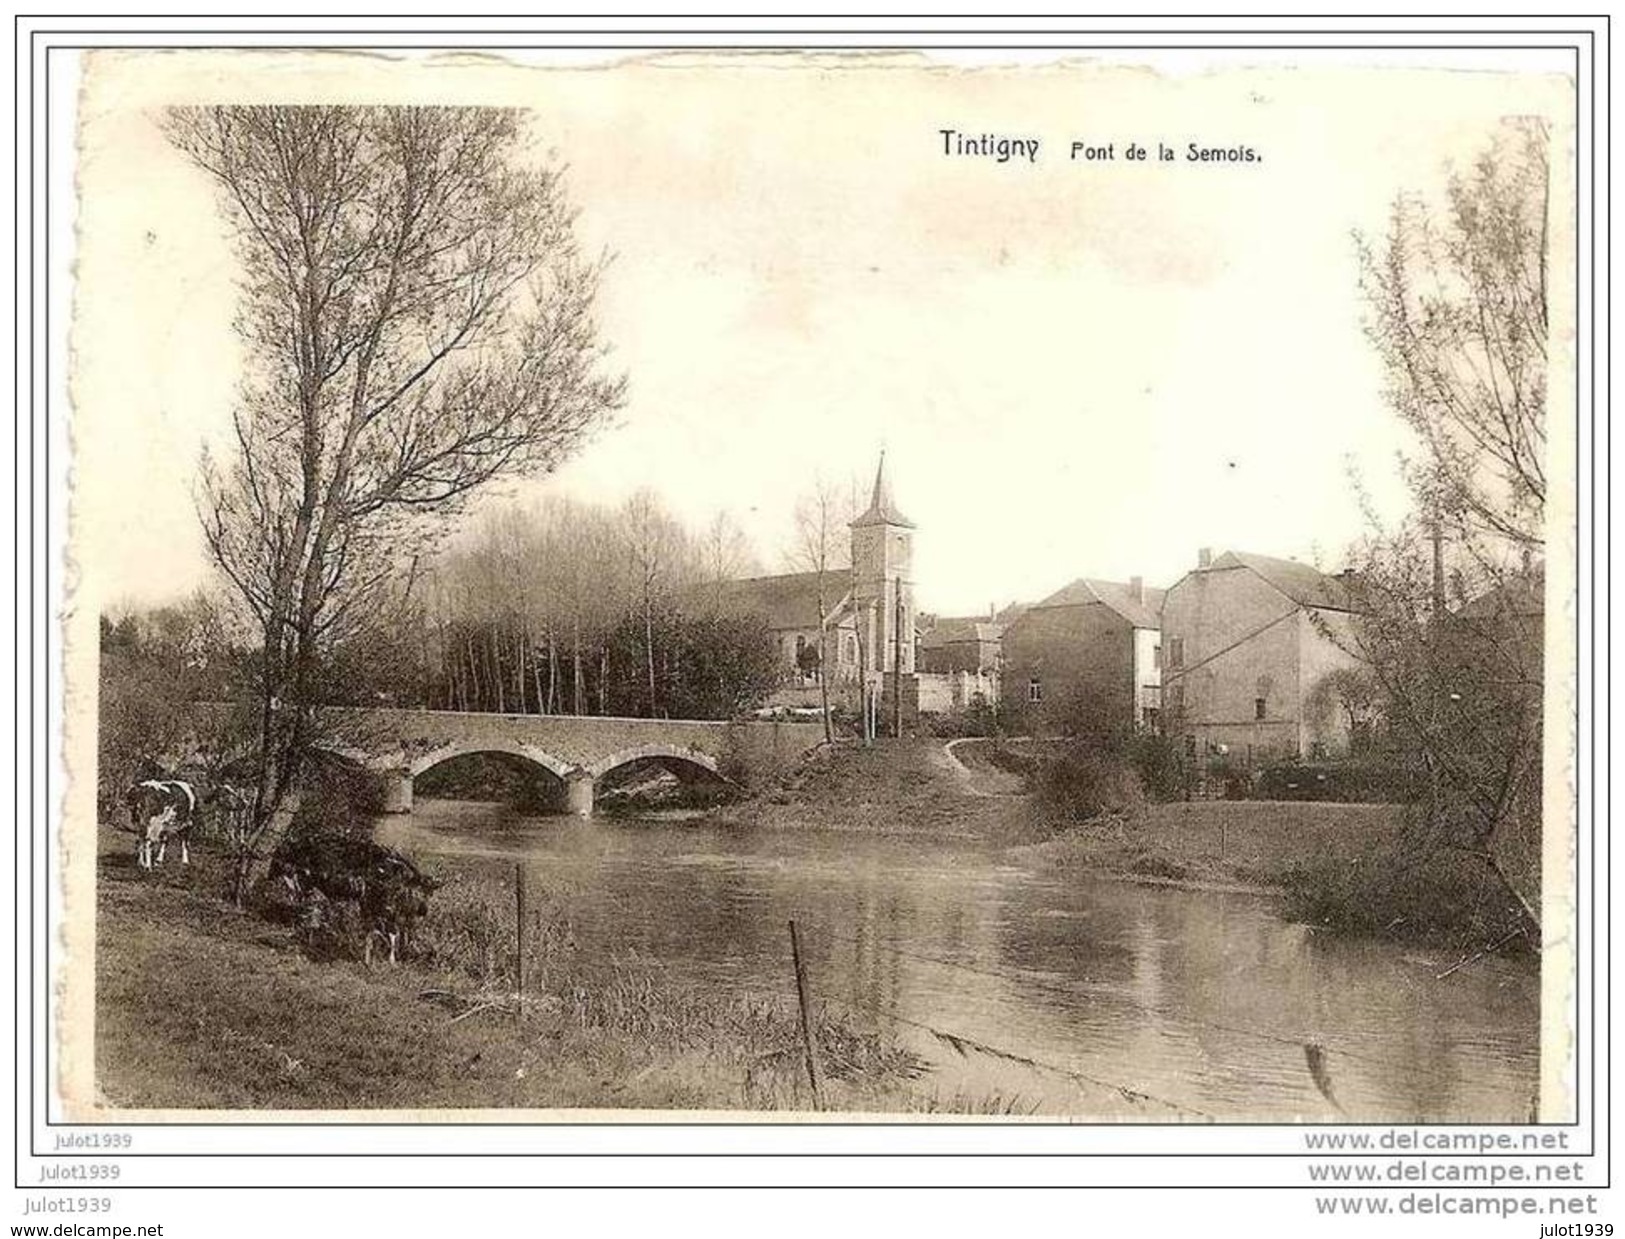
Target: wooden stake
[814, 1073]
[519, 916]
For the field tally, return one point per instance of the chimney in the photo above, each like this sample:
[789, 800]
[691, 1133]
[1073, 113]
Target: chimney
[1136, 586]
[992, 612]
[1204, 557]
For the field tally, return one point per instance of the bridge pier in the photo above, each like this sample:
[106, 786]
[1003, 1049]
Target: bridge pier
[397, 791]
[578, 793]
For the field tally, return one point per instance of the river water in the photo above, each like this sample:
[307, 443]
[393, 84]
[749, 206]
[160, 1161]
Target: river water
[1092, 997]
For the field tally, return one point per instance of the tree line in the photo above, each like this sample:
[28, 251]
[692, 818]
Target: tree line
[579, 608]
[564, 607]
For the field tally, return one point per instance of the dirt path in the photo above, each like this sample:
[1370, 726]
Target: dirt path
[984, 779]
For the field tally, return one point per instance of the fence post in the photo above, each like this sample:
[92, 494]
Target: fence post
[810, 1042]
[519, 917]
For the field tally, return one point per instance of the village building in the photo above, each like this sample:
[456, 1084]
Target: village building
[955, 643]
[958, 659]
[1510, 621]
[865, 611]
[1087, 656]
[1245, 641]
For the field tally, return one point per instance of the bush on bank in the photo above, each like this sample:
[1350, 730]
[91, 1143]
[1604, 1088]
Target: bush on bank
[1409, 890]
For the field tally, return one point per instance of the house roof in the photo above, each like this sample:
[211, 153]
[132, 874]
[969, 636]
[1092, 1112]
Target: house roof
[1305, 585]
[789, 600]
[954, 629]
[1119, 596]
[882, 509]
[1518, 596]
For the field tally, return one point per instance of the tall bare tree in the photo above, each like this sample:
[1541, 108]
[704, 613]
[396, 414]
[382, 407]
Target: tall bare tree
[1450, 602]
[724, 553]
[821, 548]
[659, 556]
[1458, 314]
[416, 321]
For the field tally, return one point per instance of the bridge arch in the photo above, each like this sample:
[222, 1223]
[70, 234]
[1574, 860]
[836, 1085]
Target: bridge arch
[576, 784]
[555, 766]
[678, 760]
[398, 770]
[654, 752]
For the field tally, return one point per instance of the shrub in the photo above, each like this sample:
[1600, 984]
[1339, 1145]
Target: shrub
[335, 800]
[1437, 894]
[1347, 782]
[1083, 783]
[1157, 761]
[977, 720]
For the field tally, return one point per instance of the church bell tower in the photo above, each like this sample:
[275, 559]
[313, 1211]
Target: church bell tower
[883, 579]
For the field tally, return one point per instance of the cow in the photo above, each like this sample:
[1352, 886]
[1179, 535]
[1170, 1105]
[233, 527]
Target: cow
[390, 891]
[160, 810]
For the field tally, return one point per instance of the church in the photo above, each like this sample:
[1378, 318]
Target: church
[865, 611]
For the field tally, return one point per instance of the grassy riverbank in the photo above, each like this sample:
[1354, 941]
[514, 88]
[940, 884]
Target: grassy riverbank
[203, 1006]
[1247, 842]
[896, 787]
[1346, 868]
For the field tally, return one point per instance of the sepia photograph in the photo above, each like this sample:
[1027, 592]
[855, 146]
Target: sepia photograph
[841, 585]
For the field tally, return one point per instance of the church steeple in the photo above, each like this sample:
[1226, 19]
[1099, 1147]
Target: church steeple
[882, 510]
[882, 580]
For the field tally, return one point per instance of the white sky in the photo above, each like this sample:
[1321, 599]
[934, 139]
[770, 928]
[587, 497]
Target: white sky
[1076, 370]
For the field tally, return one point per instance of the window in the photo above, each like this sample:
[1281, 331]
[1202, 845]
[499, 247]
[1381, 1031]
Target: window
[1176, 652]
[1258, 707]
[1035, 690]
[1156, 657]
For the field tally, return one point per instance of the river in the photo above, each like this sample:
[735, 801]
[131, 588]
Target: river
[1096, 998]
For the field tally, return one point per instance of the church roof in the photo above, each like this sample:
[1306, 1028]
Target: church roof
[1119, 596]
[882, 508]
[789, 600]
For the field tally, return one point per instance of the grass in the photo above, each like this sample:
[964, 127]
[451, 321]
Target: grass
[200, 1005]
[895, 787]
[1351, 869]
[1255, 843]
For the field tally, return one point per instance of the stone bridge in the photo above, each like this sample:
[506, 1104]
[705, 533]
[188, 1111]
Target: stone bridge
[399, 745]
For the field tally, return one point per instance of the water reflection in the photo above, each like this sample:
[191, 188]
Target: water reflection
[1153, 1003]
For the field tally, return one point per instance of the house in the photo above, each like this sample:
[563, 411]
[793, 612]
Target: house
[1086, 655]
[1510, 620]
[865, 612]
[958, 659]
[1245, 640]
[954, 643]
